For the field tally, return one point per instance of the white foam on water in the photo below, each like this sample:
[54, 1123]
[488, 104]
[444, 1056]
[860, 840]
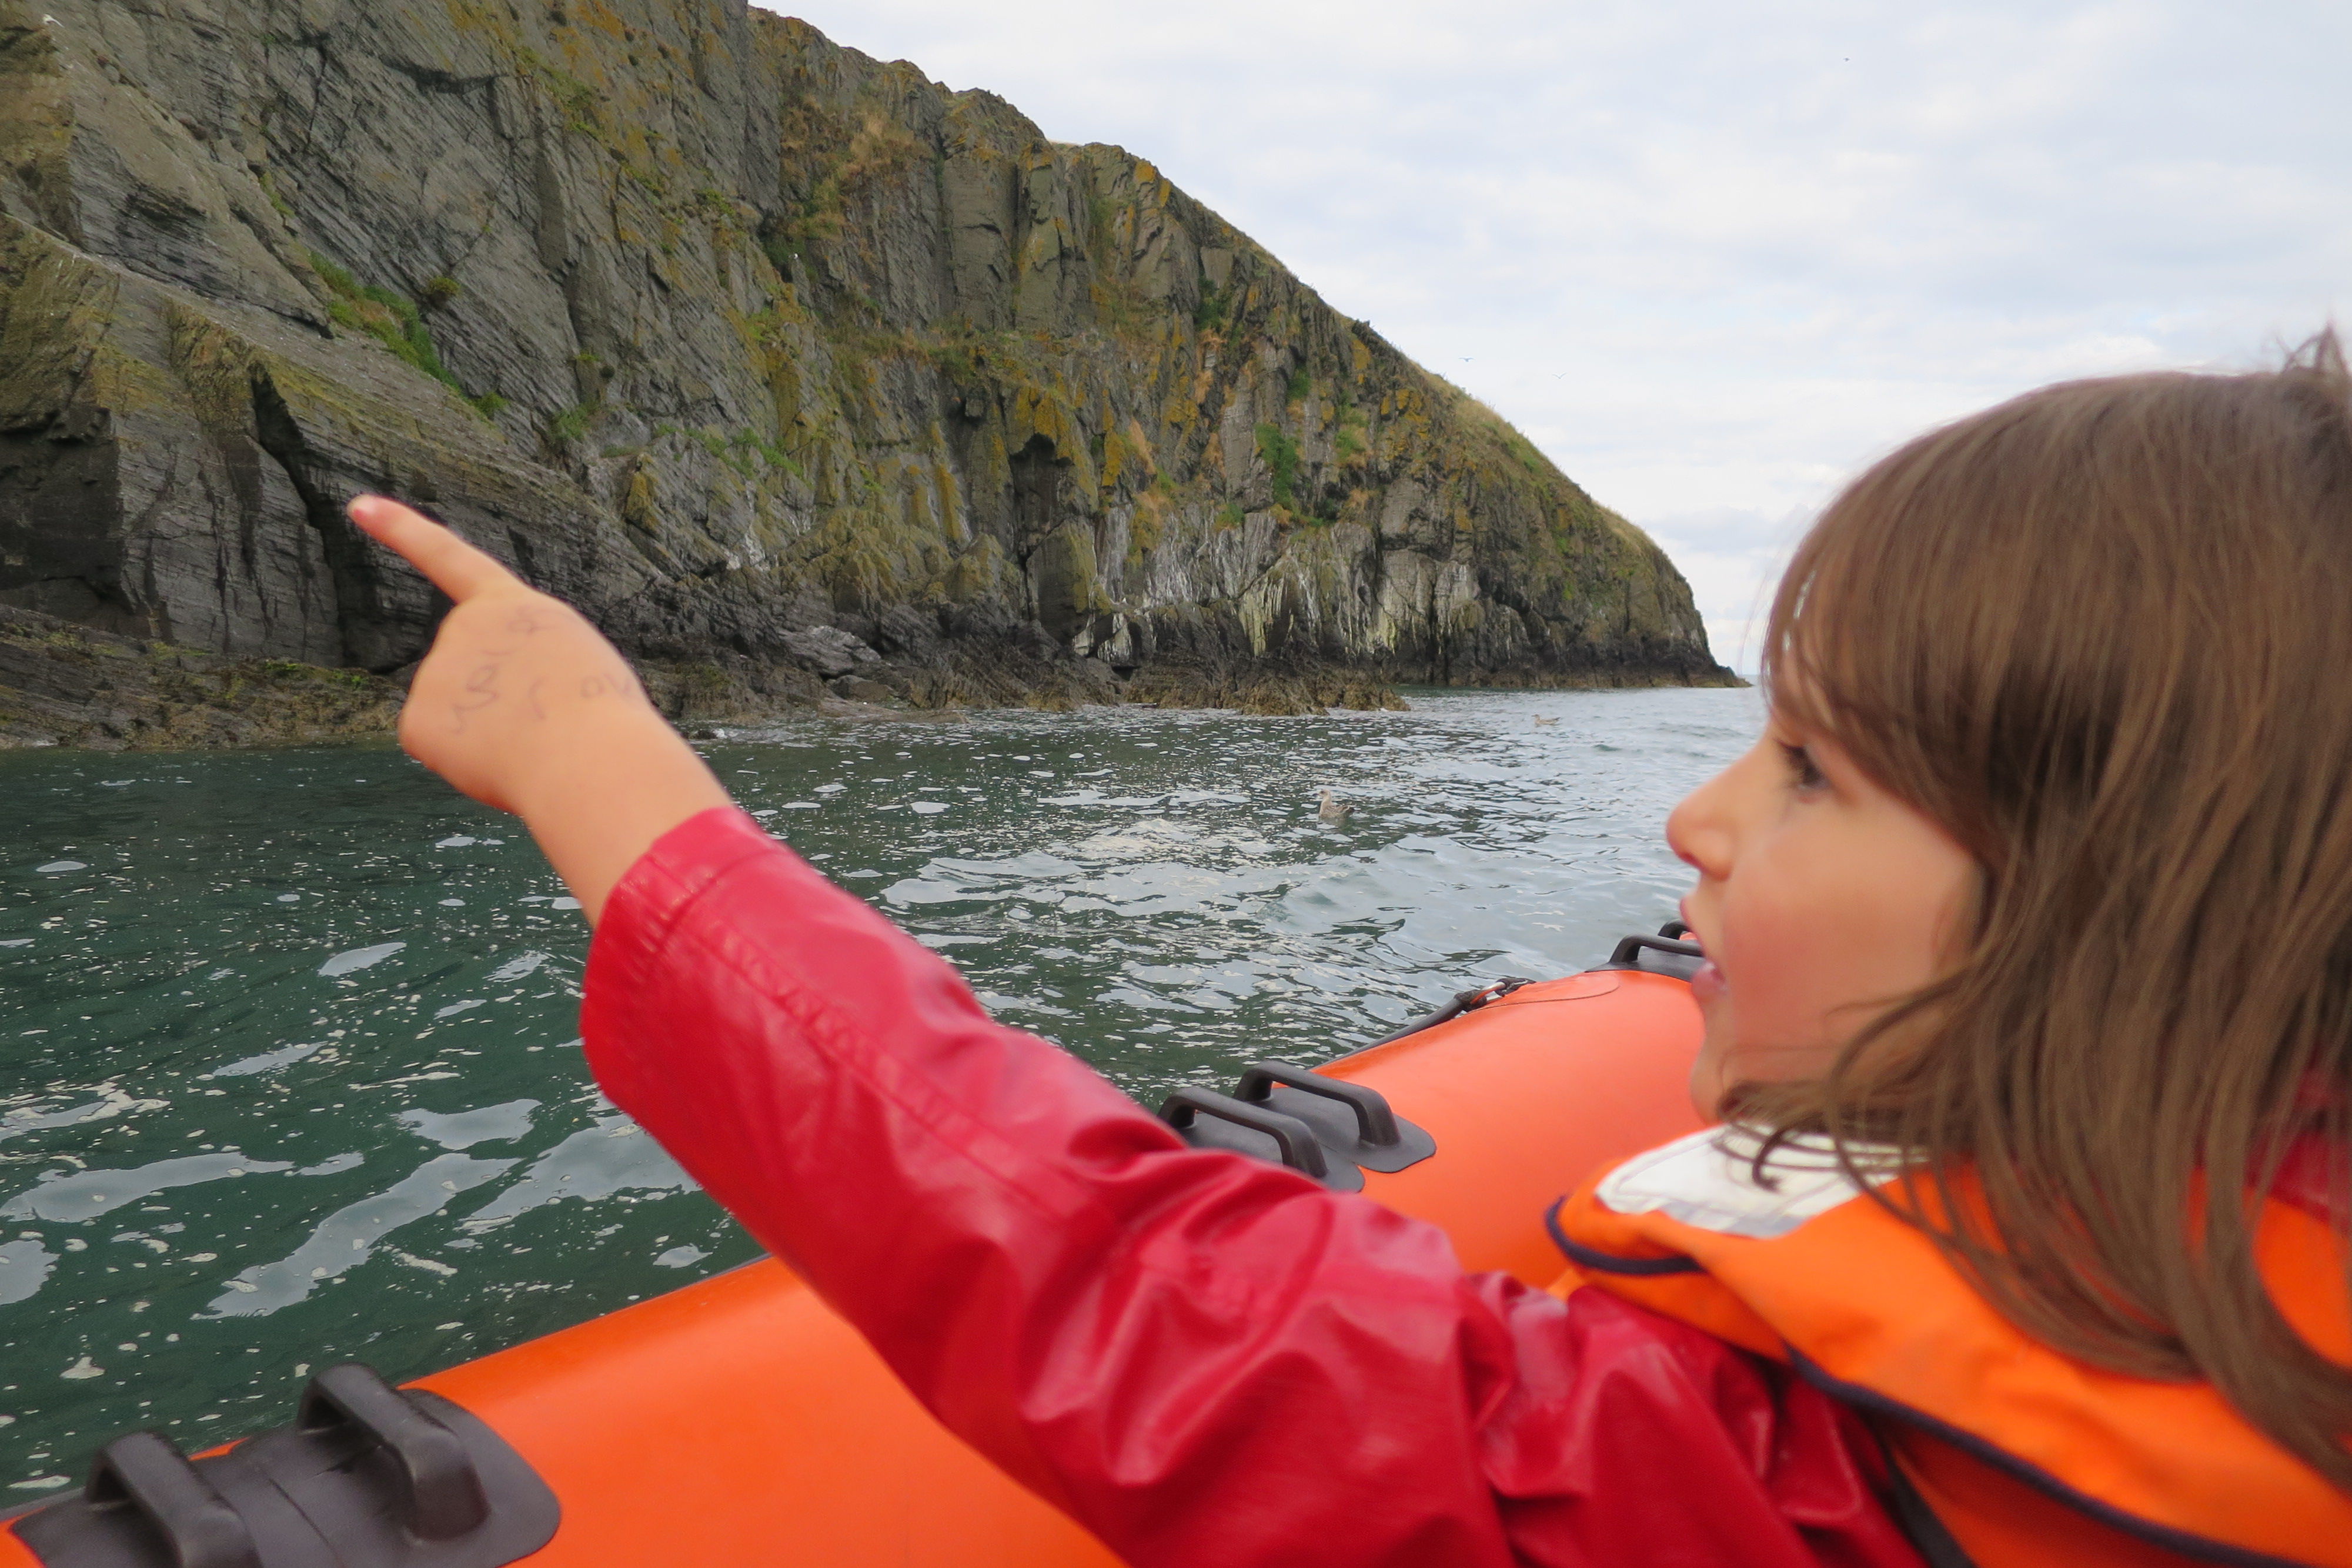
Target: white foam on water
[613, 1156]
[24, 1266]
[346, 1239]
[112, 1102]
[464, 1129]
[360, 958]
[516, 967]
[414, 1261]
[283, 1055]
[86, 1195]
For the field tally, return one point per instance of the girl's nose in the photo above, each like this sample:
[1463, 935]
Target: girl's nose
[1699, 830]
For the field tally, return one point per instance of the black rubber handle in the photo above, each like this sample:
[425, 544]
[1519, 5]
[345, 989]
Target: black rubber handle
[144, 1471]
[444, 1495]
[1375, 1122]
[1301, 1150]
[1629, 950]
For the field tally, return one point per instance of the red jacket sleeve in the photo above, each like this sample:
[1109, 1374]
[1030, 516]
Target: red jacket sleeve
[1203, 1358]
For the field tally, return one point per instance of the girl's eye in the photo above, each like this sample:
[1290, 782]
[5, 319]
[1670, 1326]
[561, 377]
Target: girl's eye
[1801, 767]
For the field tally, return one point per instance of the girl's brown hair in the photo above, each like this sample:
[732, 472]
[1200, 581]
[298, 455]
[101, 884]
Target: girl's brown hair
[2103, 634]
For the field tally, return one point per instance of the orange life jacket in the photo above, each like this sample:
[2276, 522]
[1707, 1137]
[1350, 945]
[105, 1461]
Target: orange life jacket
[2025, 1456]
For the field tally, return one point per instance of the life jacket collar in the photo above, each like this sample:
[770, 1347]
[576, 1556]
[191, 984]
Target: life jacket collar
[1803, 1264]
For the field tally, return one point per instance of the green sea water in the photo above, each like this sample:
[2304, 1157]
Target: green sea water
[289, 1062]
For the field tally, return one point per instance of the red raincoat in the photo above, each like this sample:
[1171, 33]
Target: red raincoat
[1203, 1358]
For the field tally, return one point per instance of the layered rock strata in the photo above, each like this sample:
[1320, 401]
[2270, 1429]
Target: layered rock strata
[804, 375]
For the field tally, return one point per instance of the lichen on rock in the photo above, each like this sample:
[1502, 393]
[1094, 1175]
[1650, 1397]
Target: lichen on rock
[741, 340]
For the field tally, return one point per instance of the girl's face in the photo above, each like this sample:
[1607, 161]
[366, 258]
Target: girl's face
[1821, 899]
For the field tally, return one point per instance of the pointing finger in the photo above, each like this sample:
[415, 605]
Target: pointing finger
[452, 565]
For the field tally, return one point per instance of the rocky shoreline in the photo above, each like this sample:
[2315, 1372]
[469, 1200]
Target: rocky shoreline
[63, 685]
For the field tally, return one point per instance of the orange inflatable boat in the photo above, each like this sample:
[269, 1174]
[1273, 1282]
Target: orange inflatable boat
[715, 1424]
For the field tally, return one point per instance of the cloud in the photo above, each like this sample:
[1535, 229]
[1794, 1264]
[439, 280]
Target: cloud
[1714, 257]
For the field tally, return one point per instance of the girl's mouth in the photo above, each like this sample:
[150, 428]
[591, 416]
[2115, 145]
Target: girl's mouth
[1706, 984]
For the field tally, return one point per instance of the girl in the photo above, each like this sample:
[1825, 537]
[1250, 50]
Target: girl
[2029, 1004]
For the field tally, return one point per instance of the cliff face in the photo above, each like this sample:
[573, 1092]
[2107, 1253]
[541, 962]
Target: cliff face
[788, 365]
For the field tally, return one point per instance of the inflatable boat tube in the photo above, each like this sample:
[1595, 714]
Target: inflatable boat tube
[739, 1421]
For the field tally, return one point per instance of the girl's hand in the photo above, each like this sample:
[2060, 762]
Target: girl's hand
[526, 707]
[509, 668]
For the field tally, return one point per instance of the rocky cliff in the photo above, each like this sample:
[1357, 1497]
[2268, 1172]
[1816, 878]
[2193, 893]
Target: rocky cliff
[790, 366]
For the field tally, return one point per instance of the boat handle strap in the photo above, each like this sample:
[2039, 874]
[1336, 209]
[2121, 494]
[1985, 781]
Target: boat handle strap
[1376, 1124]
[1301, 1150]
[145, 1472]
[444, 1491]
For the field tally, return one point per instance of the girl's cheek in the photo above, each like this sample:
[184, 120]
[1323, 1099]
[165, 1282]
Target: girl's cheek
[1770, 954]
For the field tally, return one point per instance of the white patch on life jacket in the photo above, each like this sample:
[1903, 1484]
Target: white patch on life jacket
[1708, 1180]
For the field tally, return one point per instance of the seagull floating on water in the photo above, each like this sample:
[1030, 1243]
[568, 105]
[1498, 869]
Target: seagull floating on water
[1332, 811]
[1547, 721]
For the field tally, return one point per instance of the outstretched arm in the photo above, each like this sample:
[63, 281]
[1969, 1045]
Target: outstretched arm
[1203, 1358]
[525, 708]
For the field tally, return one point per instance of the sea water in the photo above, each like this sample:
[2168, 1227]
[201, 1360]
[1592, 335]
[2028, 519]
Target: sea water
[288, 1060]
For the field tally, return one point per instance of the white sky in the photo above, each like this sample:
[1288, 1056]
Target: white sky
[1713, 256]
